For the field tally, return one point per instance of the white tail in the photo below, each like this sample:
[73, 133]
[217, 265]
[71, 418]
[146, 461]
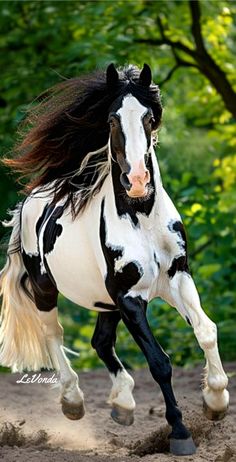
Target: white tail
[22, 340]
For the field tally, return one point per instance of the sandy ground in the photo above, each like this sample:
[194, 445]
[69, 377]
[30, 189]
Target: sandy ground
[34, 429]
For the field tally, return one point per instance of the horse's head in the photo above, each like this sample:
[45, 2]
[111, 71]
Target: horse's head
[132, 120]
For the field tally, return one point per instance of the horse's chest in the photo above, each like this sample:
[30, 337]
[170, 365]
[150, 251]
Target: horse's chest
[131, 261]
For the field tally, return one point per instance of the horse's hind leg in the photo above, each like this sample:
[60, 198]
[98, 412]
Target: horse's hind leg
[45, 297]
[185, 298]
[121, 398]
[72, 399]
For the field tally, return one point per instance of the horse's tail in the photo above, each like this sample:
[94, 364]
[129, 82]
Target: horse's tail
[22, 340]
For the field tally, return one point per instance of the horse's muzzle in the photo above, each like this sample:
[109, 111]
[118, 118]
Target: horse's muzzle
[139, 183]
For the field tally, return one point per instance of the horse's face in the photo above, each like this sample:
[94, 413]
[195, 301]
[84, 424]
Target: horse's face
[131, 125]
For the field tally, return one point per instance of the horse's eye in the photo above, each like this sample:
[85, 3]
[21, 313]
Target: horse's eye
[151, 121]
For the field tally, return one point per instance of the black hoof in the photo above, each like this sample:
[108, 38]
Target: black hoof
[182, 447]
[71, 410]
[122, 416]
[213, 415]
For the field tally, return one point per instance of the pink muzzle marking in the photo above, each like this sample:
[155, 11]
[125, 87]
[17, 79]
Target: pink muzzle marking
[138, 180]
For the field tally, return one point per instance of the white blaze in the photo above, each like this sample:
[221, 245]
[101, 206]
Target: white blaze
[131, 114]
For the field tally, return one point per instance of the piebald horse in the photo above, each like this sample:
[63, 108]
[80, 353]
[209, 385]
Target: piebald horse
[98, 227]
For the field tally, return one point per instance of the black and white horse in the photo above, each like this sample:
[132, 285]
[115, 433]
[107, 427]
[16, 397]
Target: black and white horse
[98, 227]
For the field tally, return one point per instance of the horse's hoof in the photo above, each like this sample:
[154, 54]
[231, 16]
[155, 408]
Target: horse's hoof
[71, 410]
[122, 416]
[213, 415]
[182, 447]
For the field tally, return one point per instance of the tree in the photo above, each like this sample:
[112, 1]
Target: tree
[200, 58]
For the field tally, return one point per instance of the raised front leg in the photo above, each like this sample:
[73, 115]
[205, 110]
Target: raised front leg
[133, 312]
[185, 298]
[121, 398]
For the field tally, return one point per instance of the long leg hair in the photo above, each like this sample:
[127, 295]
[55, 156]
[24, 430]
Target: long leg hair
[22, 340]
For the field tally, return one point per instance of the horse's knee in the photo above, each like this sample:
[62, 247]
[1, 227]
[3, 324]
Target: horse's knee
[51, 325]
[206, 335]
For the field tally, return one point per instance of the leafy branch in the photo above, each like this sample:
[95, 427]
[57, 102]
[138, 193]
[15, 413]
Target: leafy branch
[199, 56]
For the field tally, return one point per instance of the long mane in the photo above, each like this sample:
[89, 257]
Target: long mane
[64, 137]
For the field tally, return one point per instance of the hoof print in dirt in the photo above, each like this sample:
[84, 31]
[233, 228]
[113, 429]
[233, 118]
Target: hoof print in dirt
[122, 416]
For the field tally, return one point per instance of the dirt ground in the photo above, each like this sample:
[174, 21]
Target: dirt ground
[32, 427]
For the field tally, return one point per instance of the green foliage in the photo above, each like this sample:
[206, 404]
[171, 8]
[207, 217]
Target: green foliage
[43, 41]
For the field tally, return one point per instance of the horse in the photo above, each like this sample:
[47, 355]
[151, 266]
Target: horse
[97, 226]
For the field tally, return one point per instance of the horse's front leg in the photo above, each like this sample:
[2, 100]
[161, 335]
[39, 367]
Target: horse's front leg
[121, 398]
[133, 312]
[186, 300]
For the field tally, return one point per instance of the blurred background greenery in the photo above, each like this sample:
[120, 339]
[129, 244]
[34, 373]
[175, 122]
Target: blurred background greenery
[190, 47]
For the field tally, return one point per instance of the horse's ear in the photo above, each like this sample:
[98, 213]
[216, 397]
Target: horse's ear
[112, 76]
[145, 77]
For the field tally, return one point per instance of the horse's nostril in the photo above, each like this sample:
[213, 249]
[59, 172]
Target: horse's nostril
[125, 181]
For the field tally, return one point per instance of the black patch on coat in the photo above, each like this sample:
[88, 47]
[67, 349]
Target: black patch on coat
[46, 212]
[107, 306]
[188, 320]
[178, 264]
[52, 230]
[178, 227]
[44, 290]
[155, 260]
[147, 121]
[117, 141]
[43, 285]
[127, 206]
[120, 280]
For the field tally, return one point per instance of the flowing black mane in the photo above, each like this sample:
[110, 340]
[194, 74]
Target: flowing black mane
[68, 122]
